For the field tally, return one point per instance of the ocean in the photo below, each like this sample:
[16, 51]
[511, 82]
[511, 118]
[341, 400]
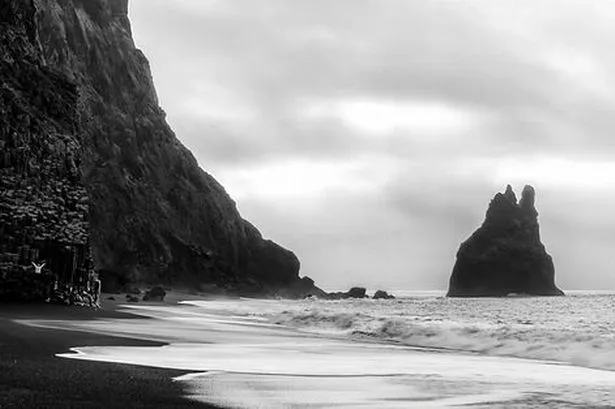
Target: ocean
[578, 329]
[417, 351]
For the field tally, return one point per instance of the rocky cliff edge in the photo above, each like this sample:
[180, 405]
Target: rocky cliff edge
[153, 214]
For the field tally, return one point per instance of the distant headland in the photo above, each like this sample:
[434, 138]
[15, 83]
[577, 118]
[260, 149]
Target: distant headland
[93, 178]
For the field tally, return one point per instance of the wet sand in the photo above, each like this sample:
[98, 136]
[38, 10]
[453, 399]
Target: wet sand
[248, 362]
[31, 376]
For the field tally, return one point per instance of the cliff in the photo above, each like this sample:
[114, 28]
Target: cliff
[505, 255]
[154, 215]
[44, 206]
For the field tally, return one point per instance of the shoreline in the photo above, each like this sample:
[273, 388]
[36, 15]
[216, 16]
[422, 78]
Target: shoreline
[224, 353]
[32, 376]
[236, 360]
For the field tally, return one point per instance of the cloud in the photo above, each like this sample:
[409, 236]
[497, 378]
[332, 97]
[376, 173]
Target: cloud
[369, 135]
[267, 57]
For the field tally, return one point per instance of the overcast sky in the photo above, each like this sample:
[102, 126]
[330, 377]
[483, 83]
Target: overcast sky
[368, 136]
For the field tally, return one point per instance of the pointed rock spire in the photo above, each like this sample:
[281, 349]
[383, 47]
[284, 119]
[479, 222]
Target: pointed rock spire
[505, 254]
[528, 200]
[510, 194]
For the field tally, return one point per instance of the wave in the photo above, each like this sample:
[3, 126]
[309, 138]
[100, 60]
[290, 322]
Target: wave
[520, 338]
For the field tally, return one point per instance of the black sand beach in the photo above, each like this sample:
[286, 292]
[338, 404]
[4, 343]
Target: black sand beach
[32, 377]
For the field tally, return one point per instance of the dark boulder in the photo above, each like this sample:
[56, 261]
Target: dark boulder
[383, 295]
[155, 294]
[357, 292]
[354, 292]
[505, 255]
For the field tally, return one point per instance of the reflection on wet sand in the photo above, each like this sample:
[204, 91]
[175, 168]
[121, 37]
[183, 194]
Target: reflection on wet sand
[248, 363]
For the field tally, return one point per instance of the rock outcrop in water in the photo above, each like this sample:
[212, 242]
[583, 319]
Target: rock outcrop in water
[354, 292]
[383, 295]
[505, 255]
[91, 162]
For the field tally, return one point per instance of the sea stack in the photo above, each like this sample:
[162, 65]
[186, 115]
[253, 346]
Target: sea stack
[505, 255]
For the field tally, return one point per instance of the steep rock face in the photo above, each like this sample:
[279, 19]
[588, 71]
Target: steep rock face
[155, 215]
[505, 255]
[44, 207]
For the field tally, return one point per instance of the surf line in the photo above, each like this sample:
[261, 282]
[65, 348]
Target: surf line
[195, 375]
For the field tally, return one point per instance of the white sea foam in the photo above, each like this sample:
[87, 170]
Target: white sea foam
[252, 361]
[577, 329]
